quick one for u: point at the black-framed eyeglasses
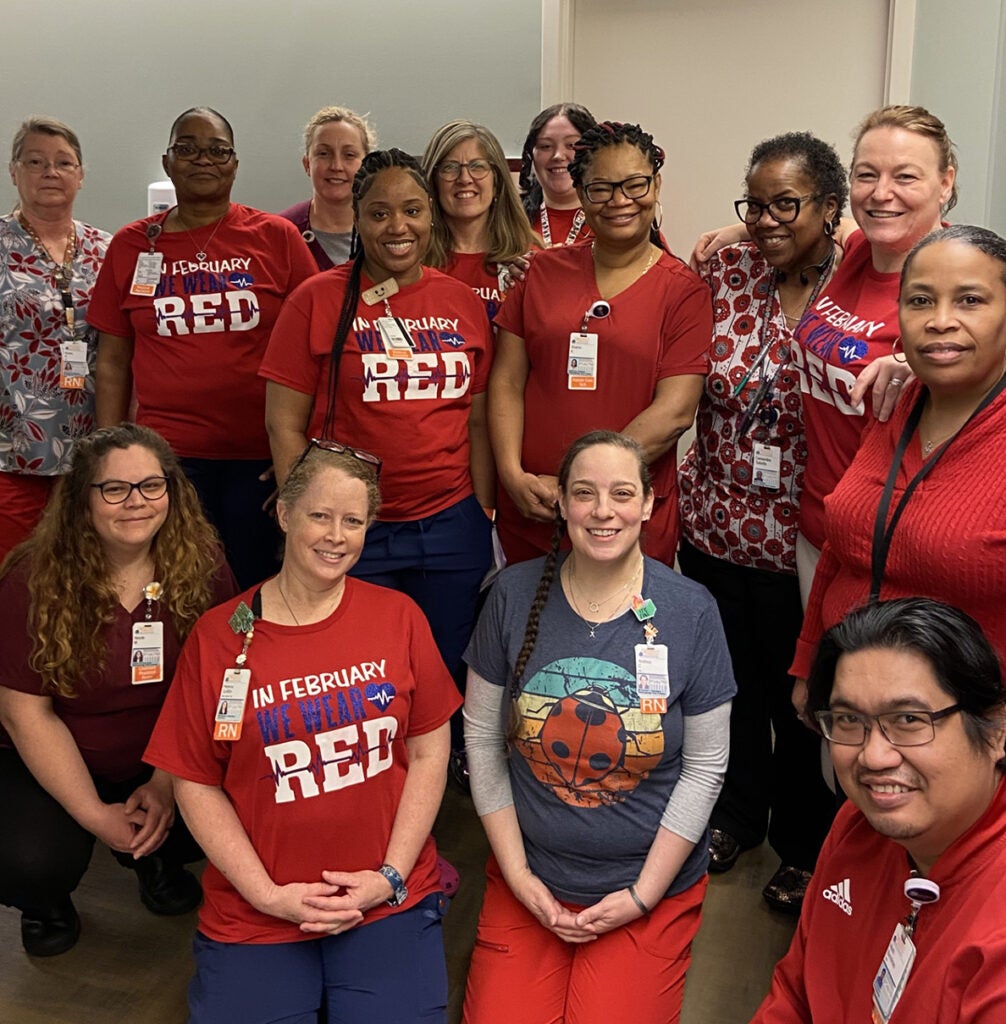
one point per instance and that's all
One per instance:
(115, 492)
(783, 210)
(632, 188)
(900, 728)
(450, 170)
(190, 151)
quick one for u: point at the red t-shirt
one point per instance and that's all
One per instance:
(470, 268)
(658, 327)
(110, 719)
(199, 340)
(853, 322)
(413, 413)
(318, 772)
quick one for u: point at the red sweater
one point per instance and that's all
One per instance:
(959, 975)
(950, 543)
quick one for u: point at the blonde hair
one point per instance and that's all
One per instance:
(44, 126)
(72, 597)
(920, 121)
(327, 115)
(510, 235)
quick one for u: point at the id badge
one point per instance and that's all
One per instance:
(72, 364)
(652, 680)
(231, 704)
(147, 274)
(397, 342)
(889, 984)
(581, 364)
(380, 292)
(146, 659)
(767, 468)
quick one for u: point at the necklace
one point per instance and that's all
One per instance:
(279, 587)
(649, 263)
(546, 231)
(62, 273)
(595, 606)
(201, 253)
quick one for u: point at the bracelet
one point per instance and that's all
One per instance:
(639, 903)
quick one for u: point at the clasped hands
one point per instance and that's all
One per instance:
(335, 904)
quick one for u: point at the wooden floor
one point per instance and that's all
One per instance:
(133, 968)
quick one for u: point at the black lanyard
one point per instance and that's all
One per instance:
(882, 534)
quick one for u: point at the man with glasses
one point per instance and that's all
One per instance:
(904, 916)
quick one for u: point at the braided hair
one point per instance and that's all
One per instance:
(372, 165)
(548, 573)
(615, 133)
(531, 195)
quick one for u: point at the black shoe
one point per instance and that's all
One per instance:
(786, 889)
(723, 850)
(166, 889)
(52, 931)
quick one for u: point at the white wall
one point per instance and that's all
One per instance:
(120, 71)
(957, 73)
(710, 78)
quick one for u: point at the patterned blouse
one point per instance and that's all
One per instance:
(724, 513)
(39, 420)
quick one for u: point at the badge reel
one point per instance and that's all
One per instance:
(147, 273)
(581, 363)
(892, 976)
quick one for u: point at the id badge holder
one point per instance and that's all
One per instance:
(581, 363)
(889, 984)
(146, 658)
(231, 704)
(72, 365)
(397, 342)
(380, 292)
(147, 273)
(767, 467)
(652, 679)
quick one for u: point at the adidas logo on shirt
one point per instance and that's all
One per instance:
(841, 895)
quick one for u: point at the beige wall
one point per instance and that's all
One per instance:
(710, 78)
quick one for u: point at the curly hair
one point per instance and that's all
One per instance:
(548, 574)
(373, 163)
(819, 162)
(920, 121)
(615, 133)
(72, 596)
(531, 195)
(509, 233)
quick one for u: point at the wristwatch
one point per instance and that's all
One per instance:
(399, 891)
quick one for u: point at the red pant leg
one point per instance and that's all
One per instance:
(22, 500)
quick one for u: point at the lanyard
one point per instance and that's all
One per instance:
(546, 231)
(883, 534)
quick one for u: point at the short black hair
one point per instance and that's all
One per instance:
(964, 663)
(819, 161)
(978, 238)
(204, 111)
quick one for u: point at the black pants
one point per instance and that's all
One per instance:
(777, 789)
(44, 852)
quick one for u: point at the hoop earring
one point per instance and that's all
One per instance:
(659, 218)
(829, 228)
(895, 350)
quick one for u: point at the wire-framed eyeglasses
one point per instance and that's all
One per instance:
(900, 728)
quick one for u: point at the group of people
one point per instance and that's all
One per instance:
(420, 354)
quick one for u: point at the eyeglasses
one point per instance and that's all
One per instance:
(900, 728)
(190, 151)
(450, 170)
(783, 210)
(632, 188)
(360, 454)
(115, 492)
(36, 165)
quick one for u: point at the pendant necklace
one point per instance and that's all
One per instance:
(201, 253)
(595, 606)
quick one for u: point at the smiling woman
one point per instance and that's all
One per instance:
(886, 534)
(185, 306)
(394, 356)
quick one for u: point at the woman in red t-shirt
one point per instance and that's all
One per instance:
(478, 226)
